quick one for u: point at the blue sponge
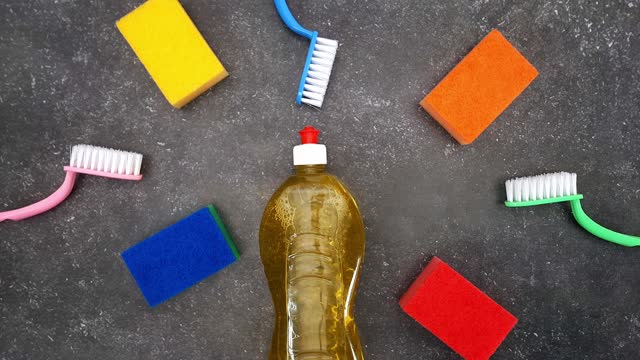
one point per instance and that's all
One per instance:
(181, 255)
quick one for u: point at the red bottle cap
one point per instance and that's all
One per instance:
(309, 135)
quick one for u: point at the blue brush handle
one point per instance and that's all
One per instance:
(292, 23)
(305, 70)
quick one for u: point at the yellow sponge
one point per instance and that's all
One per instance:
(172, 50)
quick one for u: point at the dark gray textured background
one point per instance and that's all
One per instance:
(68, 77)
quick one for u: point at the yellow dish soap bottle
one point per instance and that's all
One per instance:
(312, 247)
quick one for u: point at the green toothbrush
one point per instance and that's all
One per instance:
(559, 187)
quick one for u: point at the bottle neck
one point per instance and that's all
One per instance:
(309, 169)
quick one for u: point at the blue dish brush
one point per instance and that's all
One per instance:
(317, 68)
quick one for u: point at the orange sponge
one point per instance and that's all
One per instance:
(479, 88)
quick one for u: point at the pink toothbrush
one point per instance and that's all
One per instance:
(85, 159)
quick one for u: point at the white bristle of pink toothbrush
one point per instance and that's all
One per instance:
(315, 86)
(95, 160)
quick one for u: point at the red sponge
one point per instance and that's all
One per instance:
(457, 312)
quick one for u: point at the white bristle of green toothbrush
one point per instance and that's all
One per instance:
(315, 86)
(104, 159)
(542, 187)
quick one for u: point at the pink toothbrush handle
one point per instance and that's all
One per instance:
(43, 205)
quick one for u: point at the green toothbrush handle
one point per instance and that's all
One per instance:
(600, 231)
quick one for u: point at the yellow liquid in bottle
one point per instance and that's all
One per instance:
(312, 247)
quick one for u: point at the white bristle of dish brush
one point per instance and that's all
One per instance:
(322, 58)
(315, 89)
(541, 187)
(318, 75)
(317, 82)
(319, 59)
(327, 42)
(323, 69)
(106, 160)
(326, 48)
(312, 95)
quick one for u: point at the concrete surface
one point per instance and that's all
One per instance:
(68, 77)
